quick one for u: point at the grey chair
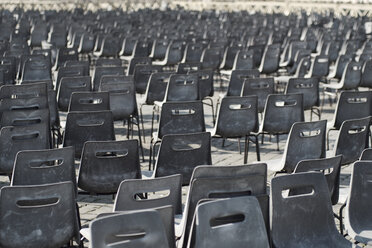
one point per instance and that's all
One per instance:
(44, 166)
(48, 213)
(306, 140)
(366, 154)
(223, 182)
(330, 167)
(87, 126)
(101, 71)
(237, 79)
(281, 111)
(238, 117)
(235, 216)
(352, 139)
(182, 87)
(68, 85)
(142, 75)
(358, 205)
(261, 87)
(89, 101)
(129, 230)
(104, 164)
(305, 219)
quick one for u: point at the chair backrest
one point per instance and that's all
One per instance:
(305, 218)
(341, 64)
(244, 60)
(181, 117)
(137, 61)
(48, 213)
(105, 164)
(157, 87)
(108, 62)
(89, 101)
(64, 54)
(182, 87)
(237, 116)
(352, 105)
(84, 64)
(237, 80)
(320, 66)
(309, 87)
(174, 53)
(193, 52)
(281, 111)
(211, 58)
(366, 80)
(261, 87)
(352, 75)
(122, 95)
(159, 49)
(358, 204)
(167, 191)
(24, 91)
(235, 216)
(270, 60)
(44, 166)
(74, 71)
(205, 82)
(142, 74)
(366, 154)
(17, 138)
(88, 126)
(352, 139)
(68, 85)
(330, 167)
(101, 71)
(222, 182)
(306, 140)
(137, 229)
(87, 42)
(36, 69)
(186, 67)
(181, 153)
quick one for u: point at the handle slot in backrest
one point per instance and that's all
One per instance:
(356, 129)
(26, 122)
(367, 178)
(260, 85)
(229, 194)
(184, 82)
(22, 107)
(91, 100)
(240, 106)
(203, 76)
(302, 190)
(55, 162)
(304, 85)
(285, 103)
(310, 133)
(151, 195)
(121, 238)
(20, 137)
(225, 220)
(356, 100)
(181, 146)
(90, 122)
(243, 77)
(37, 203)
(183, 111)
(77, 85)
(111, 153)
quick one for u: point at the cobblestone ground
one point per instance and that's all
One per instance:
(90, 205)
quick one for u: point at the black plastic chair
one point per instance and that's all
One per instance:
(36, 69)
(366, 154)
(270, 59)
(358, 206)
(238, 117)
(366, 78)
(261, 87)
(87, 126)
(166, 190)
(136, 229)
(182, 87)
(237, 79)
(137, 61)
(281, 111)
(213, 219)
(89, 101)
(48, 213)
(215, 182)
(304, 219)
(187, 67)
(181, 153)
(104, 164)
(74, 71)
(65, 54)
(330, 167)
(101, 71)
(108, 62)
(18, 138)
(67, 86)
(142, 75)
(352, 139)
(44, 166)
(83, 63)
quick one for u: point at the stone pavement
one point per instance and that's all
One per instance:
(90, 206)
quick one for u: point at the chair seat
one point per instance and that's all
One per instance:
(85, 232)
(147, 174)
(225, 72)
(274, 165)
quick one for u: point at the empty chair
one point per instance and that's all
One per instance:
(135, 229)
(351, 139)
(142, 75)
(366, 154)
(281, 111)
(237, 79)
(101, 71)
(137, 61)
(212, 182)
(330, 167)
(87, 126)
(181, 153)
(107, 62)
(244, 60)
(17, 138)
(89, 101)
(84, 64)
(68, 85)
(306, 140)
(65, 54)
(270, 59)
(366, 78)
(184, 68)
(357, 218)
(182, 87)
(235, 216)
(173, 55)
(48, 213)
(319, 68)
(44, 166)
(74, 71)
(261, 87)
(238, 117)
(168, 191)
(105, 164)
(36, 69)
(304, 219)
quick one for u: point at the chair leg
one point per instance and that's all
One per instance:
(340, 218)
(139, 137)
(277, 142)
(246, 149)
(143, 126)
(239, 148)
(257, 149)
(223, 142)
(150, 156)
